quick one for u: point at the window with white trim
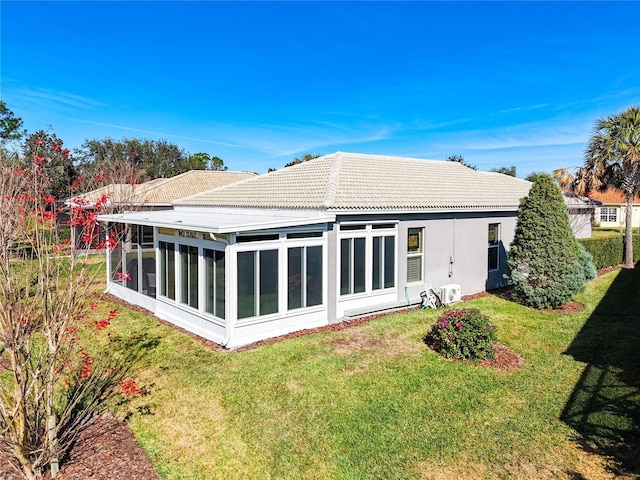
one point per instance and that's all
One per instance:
(367, 257)
(352, 265)
(257, 273)
(304, 276)
(189, 275)
(608, 214)
(214, 278)
(494, 247)
(414, 254)
(384, 267)
(167, 270)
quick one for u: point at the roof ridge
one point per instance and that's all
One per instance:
(332, 180)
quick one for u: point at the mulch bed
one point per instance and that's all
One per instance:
(506, 360)
(107, 450)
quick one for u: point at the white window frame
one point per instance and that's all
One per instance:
(418, 254)
(608, 215)
(494, 246)
(368, 232)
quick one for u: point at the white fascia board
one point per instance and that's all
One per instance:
(221, 221)
(401, 211)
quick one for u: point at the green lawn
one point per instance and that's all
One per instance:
(372, 401)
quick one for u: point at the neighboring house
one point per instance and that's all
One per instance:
(313, 244)
(581, 213)
(156, 194)
(612, 212)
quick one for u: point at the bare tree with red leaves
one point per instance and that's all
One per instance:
(53, 383)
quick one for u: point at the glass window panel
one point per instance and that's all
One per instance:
(171, 271)
(147, 235)
(149, 272)
(131, 278)
(377, 264)
(268, 282)
(220, 284)
(493, 258)
(389, 262)
(345, 266)
(189, 274)
(494, 233)
(209, 281)
(294, 278)
(134, 234)
(246, 284)
(493, 261)
(414, 240)
(115, 256)
(193, 277)
(184, 273)
(314, 276)
(359, 262)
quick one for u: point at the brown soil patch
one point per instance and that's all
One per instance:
(505, 360)
(570, 307)
(107, 450)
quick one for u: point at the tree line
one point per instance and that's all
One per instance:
(129, 160)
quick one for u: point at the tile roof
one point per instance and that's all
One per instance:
(186, 184)
(611, 196)
(575, 201)
(352, 181)
(162, 191)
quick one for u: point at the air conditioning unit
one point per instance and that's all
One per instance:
(450, 293)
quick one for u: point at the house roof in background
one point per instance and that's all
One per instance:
(575, 201)
(356, 182)
(162, 191)
(186, 184)
(611, 196)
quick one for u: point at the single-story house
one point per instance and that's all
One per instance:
(155, 194)
(316, 243)
(612, 211)
(581, 211)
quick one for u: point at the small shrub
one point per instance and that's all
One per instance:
(463, 334)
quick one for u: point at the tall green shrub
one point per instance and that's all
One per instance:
(546, 265)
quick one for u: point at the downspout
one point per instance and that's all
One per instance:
(452, 258)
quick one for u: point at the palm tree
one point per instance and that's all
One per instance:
(612, 160)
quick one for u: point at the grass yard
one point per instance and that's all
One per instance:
(372, 401)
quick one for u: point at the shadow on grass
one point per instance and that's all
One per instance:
(604, 407)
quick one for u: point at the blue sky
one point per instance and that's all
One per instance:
(259, 83)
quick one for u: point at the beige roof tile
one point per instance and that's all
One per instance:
(165, 190)
(351, 181)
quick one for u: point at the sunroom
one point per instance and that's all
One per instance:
(232, 276)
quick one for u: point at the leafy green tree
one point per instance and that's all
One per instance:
(460, 159)
(533, 176)
(10, 125)
(304, 158)
(204, 161)
(61, 171)
(546, 265)
(511, 171)
(151, 158)
(216, 164)
(612, 160)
